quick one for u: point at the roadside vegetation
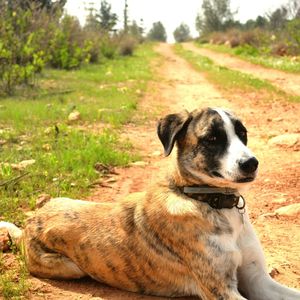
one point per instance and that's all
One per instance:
(232, 82)
(64, 151)
(284, 63)
(272, 40)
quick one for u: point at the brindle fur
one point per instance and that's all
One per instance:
(160, 242)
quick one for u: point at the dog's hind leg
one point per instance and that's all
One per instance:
(45, 263)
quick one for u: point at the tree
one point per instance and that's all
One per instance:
(293, 7)
(214, 17)
(107, 19)
(157, 32)
(126, 17)
(49, 5)
(278, 18)
(135, 30)
(182, 33)
(261, 22)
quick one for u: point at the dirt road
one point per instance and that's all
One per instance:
(288, 82)
(180, 86)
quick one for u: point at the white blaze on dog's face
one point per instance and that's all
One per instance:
(212, 147)
(238, 163)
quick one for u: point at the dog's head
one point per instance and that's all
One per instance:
(212, 147)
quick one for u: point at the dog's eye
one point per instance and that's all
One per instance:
(212, 138)
(242, 134)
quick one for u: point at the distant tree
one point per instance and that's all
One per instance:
(250, 24)
(157, 32)
(135, 30)
(91, 22)
(43, 4)
(278, 18)
(214, 17)
(293, 7)
(261, 22)
(182, 33)
(126, 17)
(107, 19)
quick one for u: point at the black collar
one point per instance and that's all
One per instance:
(217, 198)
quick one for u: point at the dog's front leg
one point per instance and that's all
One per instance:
(254, 280)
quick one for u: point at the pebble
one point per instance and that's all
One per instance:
(74, 116)
(139, 164)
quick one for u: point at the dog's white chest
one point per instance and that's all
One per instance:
(225, 245)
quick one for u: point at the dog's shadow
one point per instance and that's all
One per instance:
(91, 288)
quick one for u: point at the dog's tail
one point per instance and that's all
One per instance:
(14, 232)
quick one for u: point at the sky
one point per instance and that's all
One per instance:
(172, 12)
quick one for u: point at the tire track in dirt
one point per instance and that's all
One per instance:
(179, 87)
(288, 82)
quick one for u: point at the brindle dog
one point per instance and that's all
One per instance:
(172, 240)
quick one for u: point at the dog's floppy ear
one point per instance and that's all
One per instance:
(169, 128)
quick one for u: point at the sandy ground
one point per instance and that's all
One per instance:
(283, 80)
(180, 86)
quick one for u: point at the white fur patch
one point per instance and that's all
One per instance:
(236, 150)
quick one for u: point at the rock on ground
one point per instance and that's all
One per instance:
(289, 210)
(286, 140)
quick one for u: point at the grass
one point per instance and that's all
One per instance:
(13, 284)
(283, 63)
(231, 81)
(35, 126)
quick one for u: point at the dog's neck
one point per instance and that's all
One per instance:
(216, 197)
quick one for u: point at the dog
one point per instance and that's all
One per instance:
(188, 235)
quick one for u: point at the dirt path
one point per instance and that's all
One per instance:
(283, 80)
(180, 86)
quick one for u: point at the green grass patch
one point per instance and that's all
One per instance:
(34, 126)
(230, 81)
(259, 57)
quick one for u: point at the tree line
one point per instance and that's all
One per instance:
(35, 34)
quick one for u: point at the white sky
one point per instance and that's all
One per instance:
(172, 12)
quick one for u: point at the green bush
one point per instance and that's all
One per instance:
(293, 31)
(246, 50)
(68, 49)
(109, 47)
(21, 49)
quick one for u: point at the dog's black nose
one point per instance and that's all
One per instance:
(249, 166)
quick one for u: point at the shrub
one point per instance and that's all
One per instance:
(279, 48)
(217, 38)
(92, 46)
(127, 45)
(109, 47)
(67, 48)
(293, 29)
(246, 50)
(22, 53)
